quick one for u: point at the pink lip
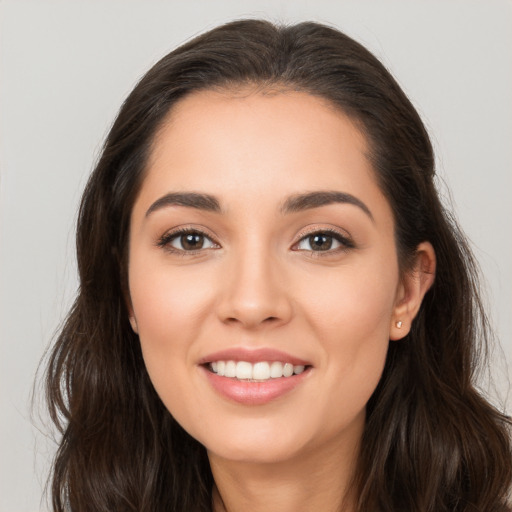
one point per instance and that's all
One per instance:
(253, 356)
(253, 393)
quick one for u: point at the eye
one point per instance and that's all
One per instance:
(324, 241)
(188, 240)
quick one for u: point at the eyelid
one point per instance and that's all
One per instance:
(164, 240)
(343, 238)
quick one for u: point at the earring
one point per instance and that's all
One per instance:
(399, 324)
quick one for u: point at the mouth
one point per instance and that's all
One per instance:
(260, 371)
(254, 377)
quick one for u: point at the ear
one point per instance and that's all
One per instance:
(129, 307)
(411, 290)
(128, 302)
(133, 321)
(131, 316)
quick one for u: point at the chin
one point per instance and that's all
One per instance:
(252, 445)
(248, 453)
(284, 446)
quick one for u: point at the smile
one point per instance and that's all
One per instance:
(254, 376)
(260, 371)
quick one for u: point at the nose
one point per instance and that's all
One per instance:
(254, 292)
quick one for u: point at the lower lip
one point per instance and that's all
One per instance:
(254, 393)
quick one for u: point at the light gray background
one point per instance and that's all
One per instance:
(65, 68)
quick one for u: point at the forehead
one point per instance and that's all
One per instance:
(293, 116)
(269, 144)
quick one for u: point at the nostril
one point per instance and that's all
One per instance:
(268, 320)
(252, 311)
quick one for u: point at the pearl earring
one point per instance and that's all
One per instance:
(399, 324)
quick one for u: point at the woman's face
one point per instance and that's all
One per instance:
(260, 244)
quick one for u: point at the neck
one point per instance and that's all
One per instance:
(314, 481)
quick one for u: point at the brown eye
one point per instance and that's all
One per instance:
(191, 241)
(186, 241)
(320, 242)
(324, 241)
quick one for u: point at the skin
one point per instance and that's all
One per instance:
(257, 282)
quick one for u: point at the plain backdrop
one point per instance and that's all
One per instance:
(65, 68)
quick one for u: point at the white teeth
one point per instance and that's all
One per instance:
(230, 370)
(259, 371)
(243, 370)
(276, 370)
(288, 370)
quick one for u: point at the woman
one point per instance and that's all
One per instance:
(275, 311)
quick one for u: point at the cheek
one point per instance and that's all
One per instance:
(350, 315)
(165, 301)
(169, 308)
(354, 303)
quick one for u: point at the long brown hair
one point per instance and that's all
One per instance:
(432, 443)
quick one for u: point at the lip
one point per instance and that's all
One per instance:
(253, 356)
(253, 393)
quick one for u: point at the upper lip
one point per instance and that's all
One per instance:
(253, 356)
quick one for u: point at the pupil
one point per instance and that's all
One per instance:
(192, 241)
(320, 242)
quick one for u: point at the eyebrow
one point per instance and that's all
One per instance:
(293, 204)
(190, 199)
(309, 200)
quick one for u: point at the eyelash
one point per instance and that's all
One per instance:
(345, 243)
(165, 241)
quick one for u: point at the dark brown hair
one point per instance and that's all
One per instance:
(432, 443)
